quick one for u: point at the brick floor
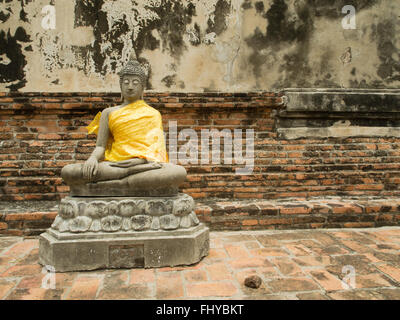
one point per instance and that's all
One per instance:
(293, 264)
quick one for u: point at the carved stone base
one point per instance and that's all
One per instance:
(111, 214)
(124, 232)
(89, 251)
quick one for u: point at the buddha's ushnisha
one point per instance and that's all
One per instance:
(130, 148)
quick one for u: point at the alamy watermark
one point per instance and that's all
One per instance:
(238, 147)
(349, 280)
(49, 20)
(349, 21)
(49, 280)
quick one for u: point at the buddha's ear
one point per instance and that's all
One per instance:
(145, 64)
(133, 55)
(120, 89)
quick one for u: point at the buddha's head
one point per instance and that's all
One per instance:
(133, 78)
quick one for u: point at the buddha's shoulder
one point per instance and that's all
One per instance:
(108, 110)
(152, 110)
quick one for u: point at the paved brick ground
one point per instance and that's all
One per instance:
(305, 264)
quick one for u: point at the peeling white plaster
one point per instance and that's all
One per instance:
(53, 65)
(4, 59)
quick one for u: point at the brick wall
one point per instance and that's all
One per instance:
(42, 132)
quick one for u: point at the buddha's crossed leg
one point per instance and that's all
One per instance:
(73, 173)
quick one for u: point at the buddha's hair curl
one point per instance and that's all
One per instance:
(135, 68)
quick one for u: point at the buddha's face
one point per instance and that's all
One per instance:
(131, 87)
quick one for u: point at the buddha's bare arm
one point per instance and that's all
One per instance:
(90, 167)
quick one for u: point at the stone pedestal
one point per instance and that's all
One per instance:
(131, 232)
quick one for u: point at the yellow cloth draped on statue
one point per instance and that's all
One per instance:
(136, 132)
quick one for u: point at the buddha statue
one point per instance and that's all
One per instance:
(130, 157)
(124, 209)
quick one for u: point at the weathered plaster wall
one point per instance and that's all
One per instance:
(200, 45)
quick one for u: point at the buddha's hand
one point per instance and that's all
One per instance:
(128, 163)
(147, 166)
(90, 168)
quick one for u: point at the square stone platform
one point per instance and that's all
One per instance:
(145, 249)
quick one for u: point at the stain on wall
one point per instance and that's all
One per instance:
(199, 45)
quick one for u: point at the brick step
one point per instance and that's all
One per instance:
(30, 218)
(296, 213)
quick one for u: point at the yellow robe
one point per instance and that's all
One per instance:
(136, 132)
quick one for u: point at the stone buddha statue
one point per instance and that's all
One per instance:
(130, 157)
(124, 209)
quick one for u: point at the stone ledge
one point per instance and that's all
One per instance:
(339, 113)
(342, 100)
(218, 214)
(338, 131)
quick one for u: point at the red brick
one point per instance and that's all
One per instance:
(6, 100)
(93, 99)
(34, 294)
(287, 267)
(374, 280)
(84, 288)
(250, 222)
(326, 280)
(229, 122)
(277, 221)
(5, 287)
(312, 296)
(22, 270)
(298, 249)
(311, 261)
(380, 208)
(62, 188)
(292, 284)
(49, 136)
(236, 251)
(31, 281)
(195, 275)
(346, 209)
(169, 286)
(216, 254)
(169, 100)
(208, 289)
(218, 271)
(21, 248)
(198, 194)
(356, 246)
(358, 224)
(65, 279)
(269, 252)
(21, 136)
(12, 232)
(249, 263)
(52, 106)
(174, 105)
(295, 210)
(74, 105)
(391, 271)
(24, 216)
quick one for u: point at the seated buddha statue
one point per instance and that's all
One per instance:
(130, 157)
